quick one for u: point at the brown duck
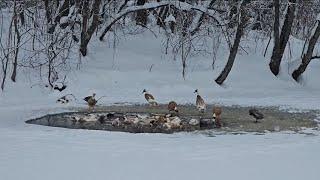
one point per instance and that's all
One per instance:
(173, 107)
(217, 116)
(91, 101)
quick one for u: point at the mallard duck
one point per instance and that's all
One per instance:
(91, 101)
(217, 116)
(172, 107)
(256, 114)
(201, 105)
(149, 98)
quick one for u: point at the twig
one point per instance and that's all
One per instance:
(150, 69)
(265, 51)
(315, 57)
(101, 98)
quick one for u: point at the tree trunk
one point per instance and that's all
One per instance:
(86, 35)
(276, 26)
(281, 43)
(234, 49)
(16, 51)
(307, 57)
(63, 11)
(48, 11)
(142, 15)
(84, 27)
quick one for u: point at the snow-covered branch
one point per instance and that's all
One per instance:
(183, 6)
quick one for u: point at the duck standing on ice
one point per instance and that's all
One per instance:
(201, 105)
(149, 98)
(173, 107)
(217, 116)
(256, 114)
(91, 101)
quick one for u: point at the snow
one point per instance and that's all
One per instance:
(170, 18)
(36, 153)
(64, 19)
(249, 83)
(31, 152)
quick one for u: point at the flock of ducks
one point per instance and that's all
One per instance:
(173, 107)
(200, 104)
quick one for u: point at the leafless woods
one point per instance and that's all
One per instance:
(42, 34)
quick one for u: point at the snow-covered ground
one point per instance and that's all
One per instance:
(32, 152)
(37, 153)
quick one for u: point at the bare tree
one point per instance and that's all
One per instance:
(281, 42)
(234, 49)
(11, 49)
(45, 32)
(308, 56)
(18, 38)
(86, 34)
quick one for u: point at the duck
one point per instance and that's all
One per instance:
(172, 107)
(256, 114)
(149, 98)
(91, 101)
(217, 116)
(201, 105)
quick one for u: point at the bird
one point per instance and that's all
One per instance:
(201, 105)
(217, 116)
(149, 98)
(172, 107)
(91, 101)
(256, 114)
(216, 111)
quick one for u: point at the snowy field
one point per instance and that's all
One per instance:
(30, 152)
